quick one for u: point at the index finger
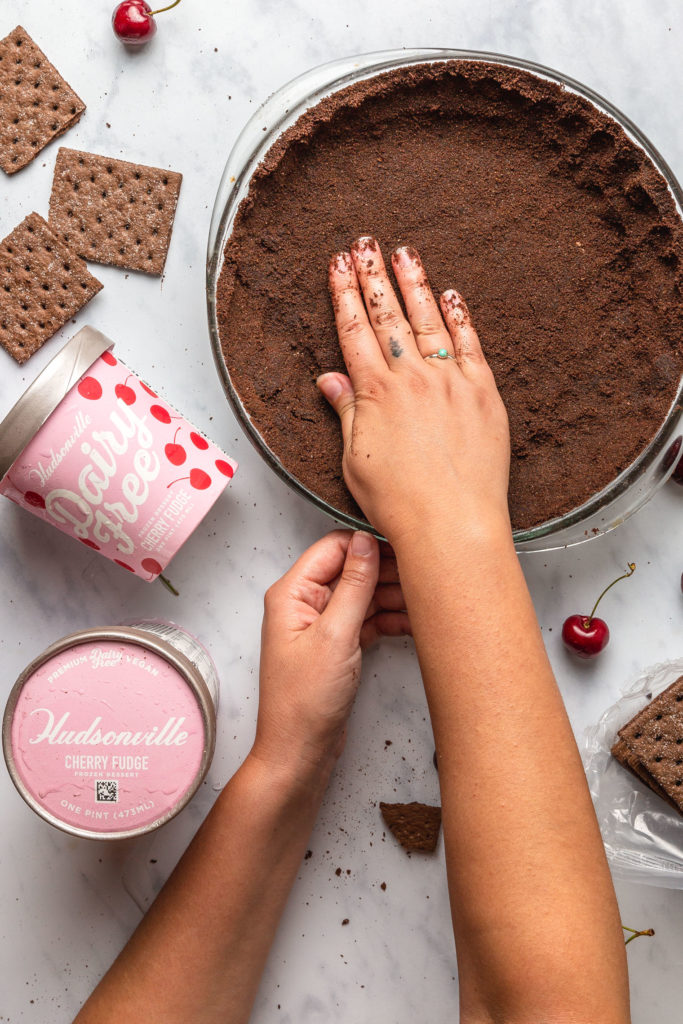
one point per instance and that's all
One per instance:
(357, 340)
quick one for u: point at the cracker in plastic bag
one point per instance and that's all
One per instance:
(643, 835)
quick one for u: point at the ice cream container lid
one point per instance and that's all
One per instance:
(104, 672)
(43, 396)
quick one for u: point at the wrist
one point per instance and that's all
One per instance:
(453, 527)
(294, 769)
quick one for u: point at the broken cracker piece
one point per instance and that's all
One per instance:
(416, 826)
(36, 104)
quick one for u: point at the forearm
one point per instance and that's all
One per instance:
(535, 918)
(198, 954)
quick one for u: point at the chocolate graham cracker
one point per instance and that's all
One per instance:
(112, 211)
(628, 760)
(416, 826)
(36, 104)
(42, 285)
(651, 744)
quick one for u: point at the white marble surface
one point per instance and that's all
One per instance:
(68, 905)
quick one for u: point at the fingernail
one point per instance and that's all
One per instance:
(405, 256)
(362, 544)
(330, 386)
(456, 306)
(341, 262)
(364, 245)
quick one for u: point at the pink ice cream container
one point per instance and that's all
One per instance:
(90, 448)
(109, 732)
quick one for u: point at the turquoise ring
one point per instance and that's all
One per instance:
(441, 354)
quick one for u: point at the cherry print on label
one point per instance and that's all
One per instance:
(91, 544)
(108, 358)
(148, 390)
(125, 393)
(161, 414)
(198, 441)
(35, 500)
(151, 566)
(175, 453)
(224, 467)
(198, 479)
(90, 388)
(123, 565)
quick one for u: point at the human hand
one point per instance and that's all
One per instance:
(339, 597)
(425, 440)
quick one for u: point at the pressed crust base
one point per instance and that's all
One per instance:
(557, 229)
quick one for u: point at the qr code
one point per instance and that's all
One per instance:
(107, 791)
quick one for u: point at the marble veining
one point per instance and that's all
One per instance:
(67, 904)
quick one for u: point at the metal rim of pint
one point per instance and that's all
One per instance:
(44, 395)
(182, 664)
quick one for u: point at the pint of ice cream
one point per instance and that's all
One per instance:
(92, 449)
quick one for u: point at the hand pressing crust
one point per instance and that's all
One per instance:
(425, 431)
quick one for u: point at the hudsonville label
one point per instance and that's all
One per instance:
(55, 732)
(43, 471)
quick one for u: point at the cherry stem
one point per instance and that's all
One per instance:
(634, 934)
(630, 572)
(176, 434)
(169, 586)
(150, 14)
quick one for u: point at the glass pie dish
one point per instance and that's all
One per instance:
(604, 510)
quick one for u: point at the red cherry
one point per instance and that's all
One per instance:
(125, 393)
(123, 565)
(151, 566)
(109, 359)
(89, 543)
(175, 453)
(585, 635)
(224, 467)
(198, 441)
(161, 414)
(148, 390)
(36, 500)
(133, 22)
(90, 388)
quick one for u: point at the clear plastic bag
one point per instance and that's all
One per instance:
(643, 836)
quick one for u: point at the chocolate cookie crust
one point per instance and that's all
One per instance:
(554, 225)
